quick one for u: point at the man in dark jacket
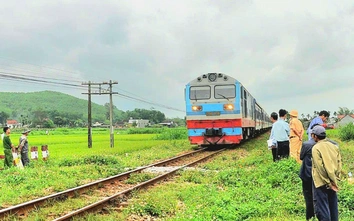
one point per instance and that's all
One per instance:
(306, 176)
(306, 172)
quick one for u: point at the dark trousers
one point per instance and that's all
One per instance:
(326, 204)
(24, 158)
(283, 149)
(275, 154)
(308, 196)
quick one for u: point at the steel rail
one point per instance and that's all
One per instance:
(23, 208)
(102, 203)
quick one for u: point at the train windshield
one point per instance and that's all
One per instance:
(199, 93)
(225, 91)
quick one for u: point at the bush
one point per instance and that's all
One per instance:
(172, 134)
(144, 131)
(347, 132)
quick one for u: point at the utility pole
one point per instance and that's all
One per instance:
(111, 115)
(89, 117)
(100, 92)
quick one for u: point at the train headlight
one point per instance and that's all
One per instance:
(197, 108)
(212, 77)
(229, 107)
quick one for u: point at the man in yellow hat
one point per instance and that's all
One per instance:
(296, 133)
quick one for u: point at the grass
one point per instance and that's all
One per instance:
(71, 163)
(240, 184)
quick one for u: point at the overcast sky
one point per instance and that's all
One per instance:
(288, 54)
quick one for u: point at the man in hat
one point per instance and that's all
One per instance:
(23, 148)
(296, 133)
(326, 168)
(8, 148)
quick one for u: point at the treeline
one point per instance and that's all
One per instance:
(54, 109)
(334, 115)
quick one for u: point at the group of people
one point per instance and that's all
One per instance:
(321, 161)
(9, 148)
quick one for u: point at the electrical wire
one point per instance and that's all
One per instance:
(152, 103)
(58, 82)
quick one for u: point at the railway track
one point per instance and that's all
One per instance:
(112, 190)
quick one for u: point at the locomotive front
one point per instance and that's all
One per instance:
(213, 113)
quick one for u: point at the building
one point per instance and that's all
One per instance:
(345, 119)
(167, 124)
(139, 123)
(13, 124)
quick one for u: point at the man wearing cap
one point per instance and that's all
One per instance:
(23, 148)
(296, 133)
(320, 119)
(326, 168)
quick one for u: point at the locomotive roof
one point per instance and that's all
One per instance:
(213, 77)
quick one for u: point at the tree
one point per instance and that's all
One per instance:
(345, 111)
(134, 124)
(151, 115)
(107, 107)
(3, 117)
(39, 116)
(48, 124)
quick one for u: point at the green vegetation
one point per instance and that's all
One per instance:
(51, 109)
(242, 184)
(72, 163)
(347, 132)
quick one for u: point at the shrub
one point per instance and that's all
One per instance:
(144, 131)
(347, 132)
(172, 134)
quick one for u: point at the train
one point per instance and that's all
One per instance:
(220, 110)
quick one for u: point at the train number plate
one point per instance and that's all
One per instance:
(213, 113)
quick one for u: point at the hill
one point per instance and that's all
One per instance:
(19, 105)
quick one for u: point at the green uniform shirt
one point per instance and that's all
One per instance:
(326, 163)
(7, 142)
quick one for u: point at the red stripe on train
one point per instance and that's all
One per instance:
(200, 124)
(200, 140)
(244, 122)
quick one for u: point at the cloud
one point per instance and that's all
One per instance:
(283, 52)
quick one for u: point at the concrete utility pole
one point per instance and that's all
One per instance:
(100, 92)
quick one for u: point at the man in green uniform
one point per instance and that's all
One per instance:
(8, 148)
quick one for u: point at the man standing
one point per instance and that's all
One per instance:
(296, 133)
(322, 117)
(8, 148)
(280, 133)
(23, 148)
(306, 176)
(274, 146)
(326, 168)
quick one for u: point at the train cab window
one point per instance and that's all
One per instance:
(199, 93)
(225, 91)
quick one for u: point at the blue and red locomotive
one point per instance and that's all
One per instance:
(219, 110)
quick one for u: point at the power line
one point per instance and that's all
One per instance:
(11, 68)
(59, 82)
(42, 66)
(9, 76)
(152, 103)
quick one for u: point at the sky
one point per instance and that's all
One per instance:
(287, 54)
